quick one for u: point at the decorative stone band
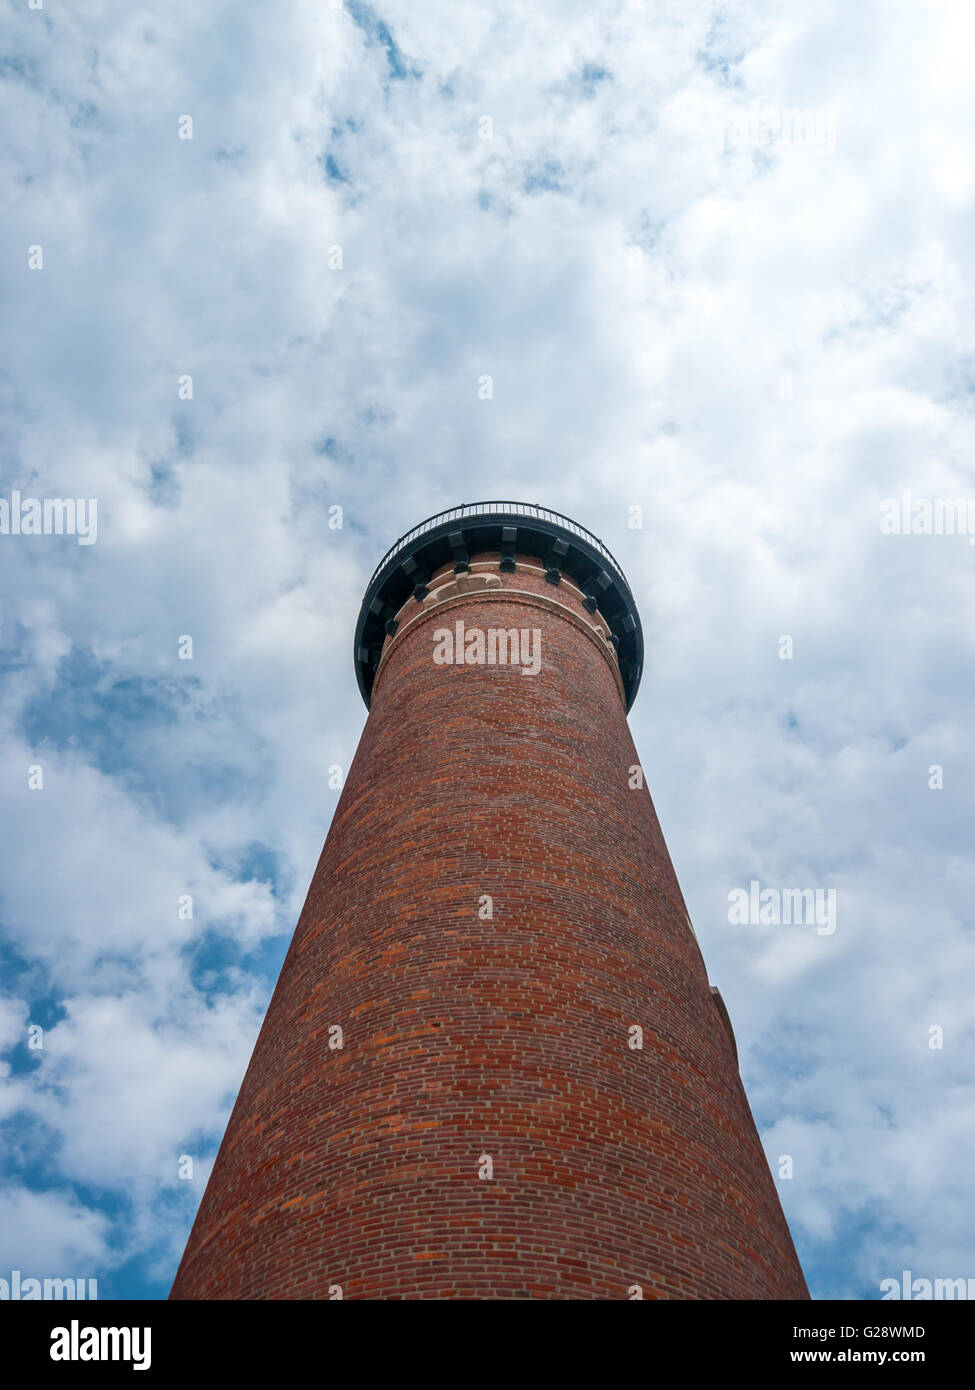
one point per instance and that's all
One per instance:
(454, 589)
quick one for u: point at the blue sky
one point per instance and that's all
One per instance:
(717, 261)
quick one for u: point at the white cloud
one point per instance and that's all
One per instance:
(47, 1235)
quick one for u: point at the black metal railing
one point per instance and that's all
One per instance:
(525, 509)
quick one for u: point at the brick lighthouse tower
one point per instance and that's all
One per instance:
(493, 1065)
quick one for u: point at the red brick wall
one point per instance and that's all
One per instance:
(508, 1037)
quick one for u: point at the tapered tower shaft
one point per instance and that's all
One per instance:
(493, 1065)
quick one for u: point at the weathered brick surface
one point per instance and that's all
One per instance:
(466, 1037)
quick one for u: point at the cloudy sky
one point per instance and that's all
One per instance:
(717, 260)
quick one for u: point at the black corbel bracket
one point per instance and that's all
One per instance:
(458, 547)
(387, 613)
(595, 586)
(368, 656)
(554, 561)
(509, 535)
(417, 576)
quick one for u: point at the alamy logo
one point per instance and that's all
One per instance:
(755, 906)
(496, 646)
(50, 516)
(18, 1289)
(763, 126)
(918, 1290)
(76, 1343)
(908, 515)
